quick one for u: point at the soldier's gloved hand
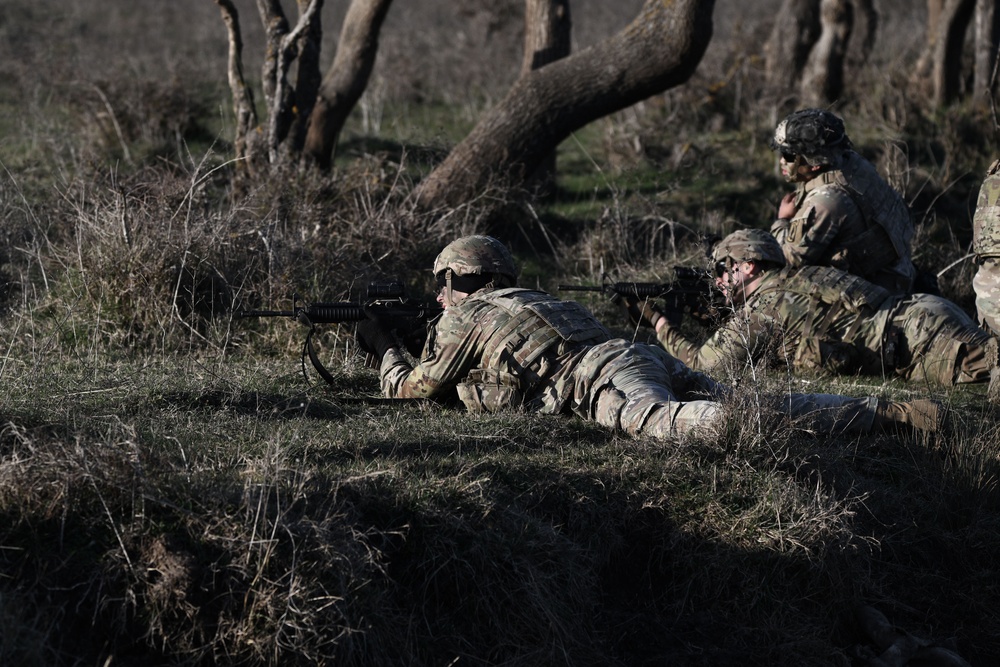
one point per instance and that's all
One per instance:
(414, 337)
(641, 311)
(374, 337)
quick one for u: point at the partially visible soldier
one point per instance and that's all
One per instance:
(501, 346)
(842, 213)
(822, 318)
(986, 245)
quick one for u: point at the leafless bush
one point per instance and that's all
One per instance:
(135, 120)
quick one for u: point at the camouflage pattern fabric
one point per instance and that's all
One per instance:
(522, 349)
(986, 284)
(851, 219)
(919, 337)
(986, 245)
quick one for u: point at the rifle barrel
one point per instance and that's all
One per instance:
(265, 313)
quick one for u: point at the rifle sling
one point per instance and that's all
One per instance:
(308, 349)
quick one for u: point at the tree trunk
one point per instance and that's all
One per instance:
(938, 72)
(796, 28)
(865, 30)
(346, 79)
(243, 105)
(660, 49)
(987, 42)
(547, 31)
(306, 52)
(823, 75)
(289, 106)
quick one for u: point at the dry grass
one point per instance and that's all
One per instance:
(173, 492)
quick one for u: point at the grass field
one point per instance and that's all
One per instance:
(173, 490)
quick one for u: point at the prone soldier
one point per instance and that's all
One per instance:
(842, 213)
(822, 318)
(502, 346)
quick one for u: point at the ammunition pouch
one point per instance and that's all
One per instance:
(835, 357)
(488, 390)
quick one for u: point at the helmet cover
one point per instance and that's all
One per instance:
(483, 255)
(749, 245)
(815, 134)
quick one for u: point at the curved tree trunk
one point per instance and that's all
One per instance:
(823, 75)
(547, 32)
(346, 79)
(660, 49)
(796, 28)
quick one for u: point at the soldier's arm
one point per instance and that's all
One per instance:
(699, 357)
(809, 235)
(786, 211)
(451, 350)
(740, 339)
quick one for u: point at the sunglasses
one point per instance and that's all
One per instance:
(788, 157)
(721, 268)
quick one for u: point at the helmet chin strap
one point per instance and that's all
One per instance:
(794, 176)
(447, 287)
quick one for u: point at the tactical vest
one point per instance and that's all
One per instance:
(884, 211)
(986, 221)
(538, 323)
(832, 292)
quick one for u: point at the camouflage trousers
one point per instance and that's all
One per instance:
(634, 392)
(934, 340)
(986, 284)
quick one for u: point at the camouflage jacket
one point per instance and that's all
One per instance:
(986, 221)
(515, 347)
(816, 317)
(851, 219)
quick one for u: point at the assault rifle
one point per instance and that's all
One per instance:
(692, 293)
(384, 301)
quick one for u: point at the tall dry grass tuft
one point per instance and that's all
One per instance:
(153, 259)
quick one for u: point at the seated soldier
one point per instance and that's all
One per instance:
(821, 318)
(986, 245)
(502, 346)
(842, 213)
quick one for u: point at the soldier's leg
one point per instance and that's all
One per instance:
(833, 413)
(941, 343)
(986, 284)
(650, 413)
(976, 362)
(636, 395)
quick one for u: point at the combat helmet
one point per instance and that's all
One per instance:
(749, 245)
(477, 255)
(816, 134)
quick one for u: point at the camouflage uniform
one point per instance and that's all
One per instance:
(986, 245)
(846, 215)
(519, 348)
(821, 318)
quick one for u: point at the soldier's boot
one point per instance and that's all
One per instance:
(920, 415)
(993, 391)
